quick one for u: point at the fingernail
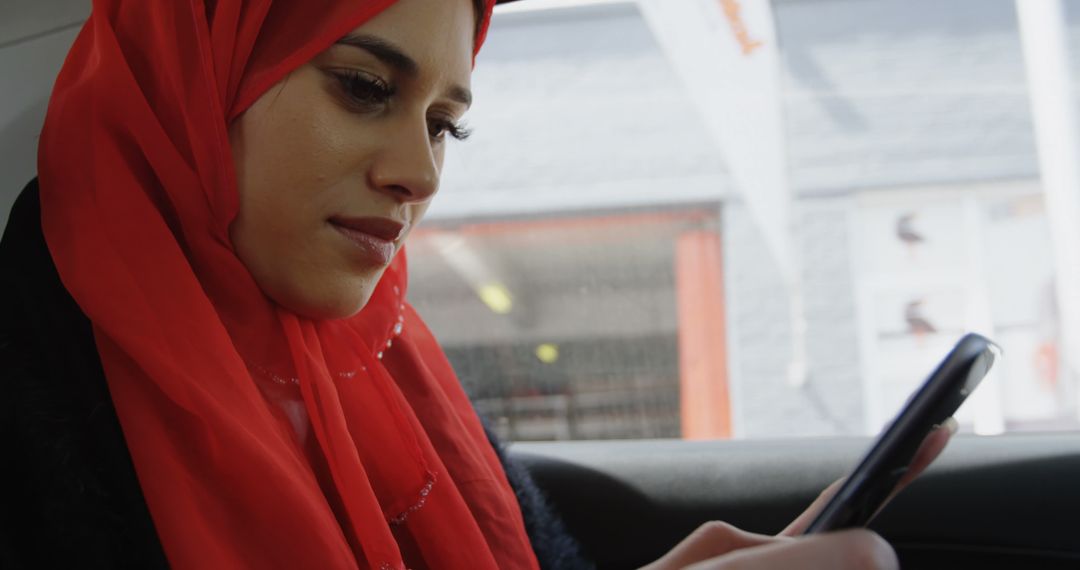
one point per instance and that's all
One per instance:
(951, 425)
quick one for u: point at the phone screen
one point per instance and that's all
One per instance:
(868, 486)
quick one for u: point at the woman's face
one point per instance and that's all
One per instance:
(338, 161)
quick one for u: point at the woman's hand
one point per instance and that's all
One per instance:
(931, 447)
(719, 546)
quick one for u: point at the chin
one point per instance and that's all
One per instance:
(335, 309)
(326, 306)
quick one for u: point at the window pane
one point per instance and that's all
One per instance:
(563, 327)
(599, 262)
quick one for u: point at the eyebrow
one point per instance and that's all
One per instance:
(393, 56)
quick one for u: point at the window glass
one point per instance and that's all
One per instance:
(744, 219)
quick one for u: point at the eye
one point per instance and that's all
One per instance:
(439, 128)
(364, 89)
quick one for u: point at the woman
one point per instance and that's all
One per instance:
(213, 362)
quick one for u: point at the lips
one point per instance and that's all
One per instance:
(382, 228)
(373, 238)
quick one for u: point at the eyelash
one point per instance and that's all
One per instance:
(459, 132)
(364, 89)
(368, 91)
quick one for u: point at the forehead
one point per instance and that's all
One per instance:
(436, 34)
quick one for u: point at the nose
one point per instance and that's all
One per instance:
(406, 167)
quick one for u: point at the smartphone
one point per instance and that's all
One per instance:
(873, 480)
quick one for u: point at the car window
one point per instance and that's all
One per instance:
(624, 249)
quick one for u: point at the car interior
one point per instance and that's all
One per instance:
(1002, 498)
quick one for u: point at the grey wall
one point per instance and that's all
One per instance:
(34, 38)
(877, 93)
(759, 336)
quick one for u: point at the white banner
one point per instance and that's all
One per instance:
(726, 53)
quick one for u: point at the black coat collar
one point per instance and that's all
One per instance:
(73, 500)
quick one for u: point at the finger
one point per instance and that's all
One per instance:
(848, 550)
(710, 540)
(802, 522)
(929, 450)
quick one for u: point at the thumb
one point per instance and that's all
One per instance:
(710, 540)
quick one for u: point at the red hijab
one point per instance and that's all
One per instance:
(137, 194)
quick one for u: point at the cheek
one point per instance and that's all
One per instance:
(277, 180)
(290, 156)
(291, 160)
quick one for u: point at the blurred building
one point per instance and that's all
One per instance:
(901, 117)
